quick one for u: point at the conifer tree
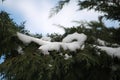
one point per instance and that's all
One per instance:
(31, 64)
(110, 8)
(26, 62)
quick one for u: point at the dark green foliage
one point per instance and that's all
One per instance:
(22, 29)
(87, 64)
(111, 8)
(56, 37)
(8, 40)
(117, 36)
(30, 66)
(58, 7)
(97, 30)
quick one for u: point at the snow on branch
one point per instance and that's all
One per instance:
(101, 42)
(28, 39)
(67, 56)
(75, 36)
(104, 43)
(71, 42)
(46, 38)
(66, 44)
(110, 51)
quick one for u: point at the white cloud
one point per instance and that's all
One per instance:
(36, 13)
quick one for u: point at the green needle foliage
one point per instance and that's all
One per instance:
(31, 64)
(110, 8)
(56, 9)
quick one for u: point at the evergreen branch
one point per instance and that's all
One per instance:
(57, 8)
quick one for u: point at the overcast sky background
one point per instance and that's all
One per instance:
(36, 12)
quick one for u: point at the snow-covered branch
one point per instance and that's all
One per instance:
(71, 42)
(110, 51)
(66, 44)
(28, 39)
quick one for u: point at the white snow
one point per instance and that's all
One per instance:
(20, 50)
(101, 42)
(61, 54)
(67, 56)
(73, 46)
(67, 43)
(46, 38)
(57, 45)
(47, 46)
(24, 38)
(50, 65)
(88, 27)
(110, 3)
(82, 47)
(28, 39)
(104, 43)
(115, 44)
(110, 51)
(75, 36)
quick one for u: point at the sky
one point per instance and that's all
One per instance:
(1, 59)
(36, 14)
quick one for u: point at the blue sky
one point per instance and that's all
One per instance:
(36, 12)
(1, 59)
